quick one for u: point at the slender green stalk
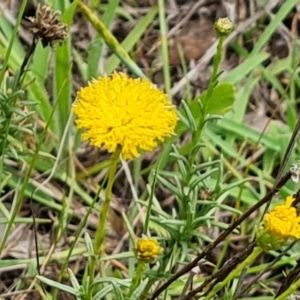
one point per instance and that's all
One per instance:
(129, 227)
(82, 224)
(164, 46)
(100, 233)
(223, 253)
(136, 280)
(211, 85)
(109, 39)
(216, 65)
(26, 60)
(149, 207)
(95, 50)
(223, 27)
(235, 273)
(291, 290)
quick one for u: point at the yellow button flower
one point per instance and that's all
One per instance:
(280, 226)
(147, 249)
(118, 111)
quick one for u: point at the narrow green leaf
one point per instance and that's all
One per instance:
(131, 39)
(74, 280)
(62, 86)
(62, 77)
(245, 132)
(284, 9)
(189, 116)
(96, 46)
(57, 285)
(110, 40)
(242, 98)
(245, 68)
(138, 292)
(89, 244)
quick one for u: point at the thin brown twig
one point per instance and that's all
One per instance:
(224, 271)
(289, 280)
(268, 268)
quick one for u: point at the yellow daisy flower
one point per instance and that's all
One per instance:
(147, 249)
(118, 111)
(280, 226)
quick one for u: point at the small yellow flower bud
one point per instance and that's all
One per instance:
(224, 26)
(147, 250)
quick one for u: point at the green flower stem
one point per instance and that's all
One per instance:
(235, 273)
(100, 233)
(26, 59)
(291, 290)
(136, 280)
(223, 28)
(211, 85)
(216, 65)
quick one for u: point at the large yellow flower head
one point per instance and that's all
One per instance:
(280, 226)
(118, 111)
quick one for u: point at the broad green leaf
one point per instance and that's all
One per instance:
(221, 100)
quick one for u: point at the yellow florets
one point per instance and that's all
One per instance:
(147, 249)
(280, 226)
(118, 111)
(283, 220)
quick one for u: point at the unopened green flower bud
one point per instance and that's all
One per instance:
(268, 241)
(224, 26)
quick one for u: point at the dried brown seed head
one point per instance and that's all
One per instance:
(46, 26)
